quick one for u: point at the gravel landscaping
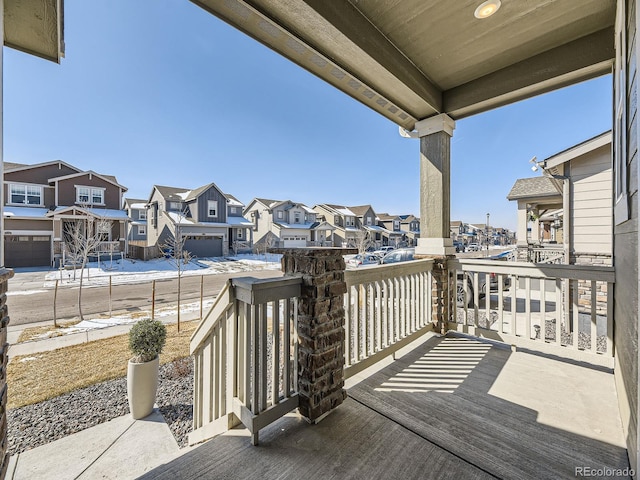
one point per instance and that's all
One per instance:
(47, 421)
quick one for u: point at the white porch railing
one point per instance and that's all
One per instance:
(245, 356)
(546, 254)
(386, 308)
(565, 310)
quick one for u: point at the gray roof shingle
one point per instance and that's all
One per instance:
(533, 187)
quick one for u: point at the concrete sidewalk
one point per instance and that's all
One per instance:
(122, 448)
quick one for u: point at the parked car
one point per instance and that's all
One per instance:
(382, 251)
(363, 259)
(474, 247)
(462, 288)
(459, 246)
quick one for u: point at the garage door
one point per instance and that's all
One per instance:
(27, 250)
(204, 246)
(295, 242)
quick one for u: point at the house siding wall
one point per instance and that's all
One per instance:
(626, 247)
(40, 175)
(153, 232)
(202, 207)
(67, 191)
(592, 223)
(16, 224)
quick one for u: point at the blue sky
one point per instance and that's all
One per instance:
(165, 93)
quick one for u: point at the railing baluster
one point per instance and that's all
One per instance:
(500, 303)
(514, 306)
(609, 333)
(594, 324)
(287, 348)
(378, 316)
(476, 299)
(487, 300)
(543, 309)
(347, 326)
(275, 328)
(527, 306)
(576, 313)
(558, 311)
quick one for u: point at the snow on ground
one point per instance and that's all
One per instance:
(134, 271)
(126, 319)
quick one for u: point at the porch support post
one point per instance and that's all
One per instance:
(435, 210)
(320, 327)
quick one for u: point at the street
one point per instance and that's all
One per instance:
(38, 306)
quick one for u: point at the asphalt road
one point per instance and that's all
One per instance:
(38, 307)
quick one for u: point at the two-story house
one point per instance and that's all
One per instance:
(42, 202)
(137, 212)
(285, 223)
(200, 216)
(392, 230)
(411, 224)
(344, 222)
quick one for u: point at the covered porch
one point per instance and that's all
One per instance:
(448, 407)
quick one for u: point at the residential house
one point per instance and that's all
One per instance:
(392, 233)
(284, 223)
(346, 231)
(200, 216)
(410, 226)
(43, 202)
(568, 210)
(240, 229)
(137, 212)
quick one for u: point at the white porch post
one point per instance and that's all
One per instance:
(523, 220)
(435, 176)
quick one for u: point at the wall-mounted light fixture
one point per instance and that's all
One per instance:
(487, 9)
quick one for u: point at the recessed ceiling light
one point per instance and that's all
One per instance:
(487, 9)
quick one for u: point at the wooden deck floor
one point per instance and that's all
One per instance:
(452, 408)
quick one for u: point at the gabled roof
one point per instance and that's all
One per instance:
(107, 178)
(106, 213)
(533, 187)
(134, 203)
(579, 149)
(385, 217)
(233, 201)
(455, 223)
(15, 167)
(360, 210)
(337, 209)
(172, 193)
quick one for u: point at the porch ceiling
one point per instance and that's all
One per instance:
(411, 59)
(35, 27)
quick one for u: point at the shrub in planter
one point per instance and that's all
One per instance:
(146, 340)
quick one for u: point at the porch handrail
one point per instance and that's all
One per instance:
(386, 308)
(244, 355)
(539, 306)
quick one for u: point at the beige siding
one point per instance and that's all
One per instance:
(592, 222)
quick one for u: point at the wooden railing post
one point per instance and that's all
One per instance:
(321, 335)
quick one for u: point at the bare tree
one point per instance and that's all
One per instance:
(173, 248)
(82, 237)
(363, 240)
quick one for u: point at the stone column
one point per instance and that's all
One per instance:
(435, 199)
(5, 275)
(321, 333)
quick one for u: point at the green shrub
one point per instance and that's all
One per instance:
(146, 340)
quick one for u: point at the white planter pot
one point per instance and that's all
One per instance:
(142, 385)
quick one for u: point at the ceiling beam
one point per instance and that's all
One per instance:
(585, 58)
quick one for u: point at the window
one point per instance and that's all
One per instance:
(296, 217)
(142, 230)
(280, 214)
(351, 221)
(396, 225)
(142, 214)
(239, 233)
(175, 206)
(94, 196)
(212, 208)
(26, 194)
(233, 210)
(368, 220)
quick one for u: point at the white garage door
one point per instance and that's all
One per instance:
(294, 241)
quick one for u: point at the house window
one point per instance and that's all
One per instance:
(296, 217)
(212, 208)
(26, 194)
(142, 214)
(88, 195)
(175, 206)
(239, 233)
(396, 225)
(280, 214)
(233, 210)
(368, 220)
(142, 230)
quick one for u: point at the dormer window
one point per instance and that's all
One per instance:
(26, 194)
(174, 206)
(296, 217)
(368, 221)
(280, 214)
(396, 225)
(142, 214)
(90, 195)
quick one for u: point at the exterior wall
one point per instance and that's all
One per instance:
(132, 234)
(262, 226)
(592, 200)
(154, 231)
(67, 191)
(201, 208)
(39, 175)
(625, 247)
(33, 225)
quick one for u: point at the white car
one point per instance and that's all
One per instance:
(382, 251)
(363, 259)
(473, 247)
